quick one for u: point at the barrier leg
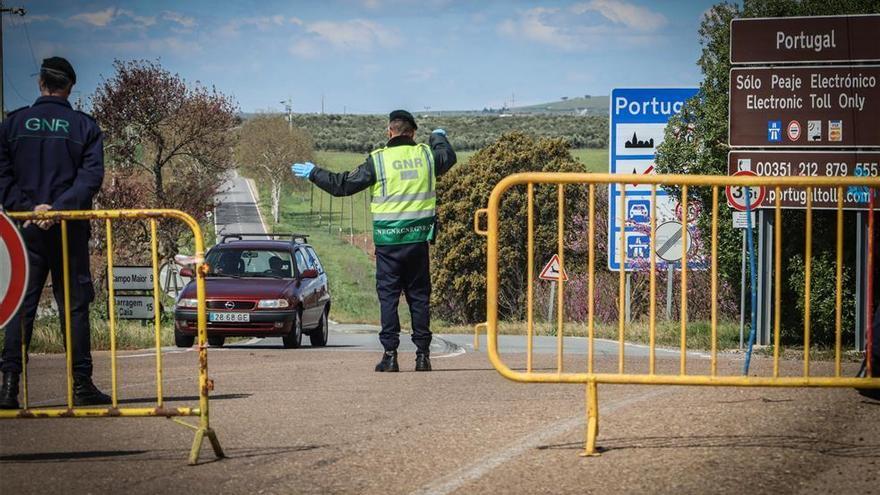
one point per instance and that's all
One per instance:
(201, 433)
(590, 449)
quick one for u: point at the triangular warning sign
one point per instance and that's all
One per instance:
(551, 270)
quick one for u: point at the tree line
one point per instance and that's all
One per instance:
(364, 133)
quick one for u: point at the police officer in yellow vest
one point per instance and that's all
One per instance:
(402, 177)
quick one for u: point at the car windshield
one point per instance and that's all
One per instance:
(249, 263)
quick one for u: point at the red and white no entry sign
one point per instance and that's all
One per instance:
(13, 270)
(736, 195)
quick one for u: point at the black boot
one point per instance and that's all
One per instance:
(85, 393)
(423, 361)
(9, 391)
(388, 362)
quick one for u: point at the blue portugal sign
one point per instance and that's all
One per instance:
(638, 121)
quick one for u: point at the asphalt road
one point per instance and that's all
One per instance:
(236, 211)
(321, 421)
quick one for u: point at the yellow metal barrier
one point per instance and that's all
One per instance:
(203, 429)
(683, 182)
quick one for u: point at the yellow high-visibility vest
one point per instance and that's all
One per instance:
(404, 199)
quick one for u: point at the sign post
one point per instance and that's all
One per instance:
(13, 269)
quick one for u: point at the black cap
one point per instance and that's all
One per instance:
(59, 66)
(402, 115)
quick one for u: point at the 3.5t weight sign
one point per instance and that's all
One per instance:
(738, 199)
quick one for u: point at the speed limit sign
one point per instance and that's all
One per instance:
(736, 195)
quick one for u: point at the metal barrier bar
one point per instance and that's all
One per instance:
(560, 309)
(838, 292)
(477, 334)
(869, 265)
(621, 349)
(714, 277)
(157, 313)
(24, 365)
(652, 323)
(530, 310)
(591, 277)
(203, 429)
(777, 268)
(111, 309)
(808, 267)
(67, 323)
(684, 285)
(99, 412)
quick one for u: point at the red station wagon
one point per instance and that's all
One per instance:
(258, 288)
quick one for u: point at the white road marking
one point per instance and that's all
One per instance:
(256, 205)
(461, 477)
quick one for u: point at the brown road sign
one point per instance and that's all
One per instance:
(810, 164)
(805, 39)
(828, 107)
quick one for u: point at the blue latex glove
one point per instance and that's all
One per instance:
(302, 170)
(438, 131)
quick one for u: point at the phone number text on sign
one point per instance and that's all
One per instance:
(810, 164)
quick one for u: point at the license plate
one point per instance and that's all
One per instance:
(230, 317)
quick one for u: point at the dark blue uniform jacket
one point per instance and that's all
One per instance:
(50, 154)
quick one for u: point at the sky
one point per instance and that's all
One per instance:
(364, 56)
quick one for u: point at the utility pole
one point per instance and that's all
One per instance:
(14, 11)
(322, 103)
(288, 106)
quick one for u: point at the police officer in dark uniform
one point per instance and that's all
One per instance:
(52, 158)
(402, 177)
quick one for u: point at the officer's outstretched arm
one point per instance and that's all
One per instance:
(444, 155)
(345, 183)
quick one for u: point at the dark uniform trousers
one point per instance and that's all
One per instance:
(44, 256)
(404, 268)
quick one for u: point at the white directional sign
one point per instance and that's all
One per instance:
(13, 270)
(132, 278)
(134, 307)
(552, 270)
(638, 121)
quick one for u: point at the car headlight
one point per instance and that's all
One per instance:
(273, 303)
(188, 303)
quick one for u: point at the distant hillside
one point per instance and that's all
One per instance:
(593, 105)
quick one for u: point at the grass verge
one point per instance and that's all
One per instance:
(48, 337)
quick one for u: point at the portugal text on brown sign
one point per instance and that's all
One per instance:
(810, 164)
(805, 106)
(805, 39)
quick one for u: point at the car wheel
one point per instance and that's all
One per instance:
(294, 339)
(182, 340)
(216, 341)
(320, 334)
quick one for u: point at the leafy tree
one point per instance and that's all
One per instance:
(266, 147)
(459, 262)
(696, 143)
(173, 134)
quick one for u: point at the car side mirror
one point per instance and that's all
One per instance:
(310, 273)
(187, 272)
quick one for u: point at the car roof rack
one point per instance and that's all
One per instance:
(294, 238)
